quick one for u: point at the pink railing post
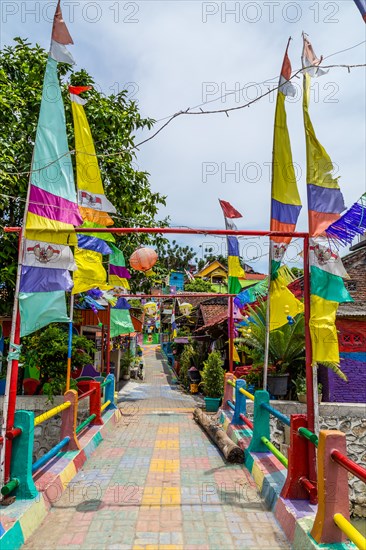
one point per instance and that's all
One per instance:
(333, 492)
(298, 464)
(228, 391)
(69, 419)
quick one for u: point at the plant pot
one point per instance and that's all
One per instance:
(302, 397)
(212, 404)
(277, 384)
(125, 377)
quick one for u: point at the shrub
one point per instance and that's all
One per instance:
(213, 375)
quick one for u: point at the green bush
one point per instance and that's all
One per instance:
(186, 361)
(213, 375)
(49, 349)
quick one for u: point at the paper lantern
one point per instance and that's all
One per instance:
(143, 259)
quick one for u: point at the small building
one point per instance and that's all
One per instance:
(176, 279)
(217, 274)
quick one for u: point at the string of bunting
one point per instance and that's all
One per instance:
(352, 223)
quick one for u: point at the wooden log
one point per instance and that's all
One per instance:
(229, 449)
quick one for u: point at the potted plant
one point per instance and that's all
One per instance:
(300, 385)
(213, 381)
(186, 361)
(126, 365)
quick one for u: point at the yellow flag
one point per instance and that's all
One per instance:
(282, 304)
(234, 267)
(236, 357)
(323, 331)
(90, 272)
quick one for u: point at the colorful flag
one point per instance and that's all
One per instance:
(92, 201)
(286, 202)
(235, 270)
(325, 203)
(90, 272)
(361, 4)
(93, 243)
(118, 273)
(60, 38)
(121, 322)
(38, 309)
(52, 210)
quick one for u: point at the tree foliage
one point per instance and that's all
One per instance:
(173, 257)
(113, 120)
(199, 285)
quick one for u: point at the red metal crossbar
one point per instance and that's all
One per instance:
(89, 392)
(246, 420)
(349, 465)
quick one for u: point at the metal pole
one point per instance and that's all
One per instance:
(69, 344)
(108, 358)
(177, 231)
(231, 334)
(308, 363)
(11, 378)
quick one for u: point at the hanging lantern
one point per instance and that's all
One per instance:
(143, 259)
(185, 309)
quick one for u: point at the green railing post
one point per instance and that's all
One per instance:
(21, 457)
(109, 392)
(261, 423)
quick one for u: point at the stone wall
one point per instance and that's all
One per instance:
(47, 434)
(350, 418)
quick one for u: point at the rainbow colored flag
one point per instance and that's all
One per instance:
(235, 270)
(52, 210)
(118, 272)
(325, 204)
(285, 207)
(93, 204)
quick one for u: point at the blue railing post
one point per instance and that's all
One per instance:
(21, 456)
(240, 403)
(109, 392)
(261, 423)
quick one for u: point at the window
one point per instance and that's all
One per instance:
(351, 286)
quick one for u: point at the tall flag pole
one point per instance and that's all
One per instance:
(51, 212)
(235, 271)
(285, 209)
(325, 204)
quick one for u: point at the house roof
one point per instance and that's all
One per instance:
(352, 309)
(213, 321)
(211, 311)
(210, 268)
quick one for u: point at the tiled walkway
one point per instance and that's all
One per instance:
(157, 482)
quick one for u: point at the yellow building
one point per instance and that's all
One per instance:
(214, 272)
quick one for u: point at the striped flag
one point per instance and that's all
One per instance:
(285, 206)
(52, 210)
(235, 270)
(325, 204)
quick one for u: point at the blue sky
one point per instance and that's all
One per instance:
(178, 54)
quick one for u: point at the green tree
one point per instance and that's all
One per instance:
(199, 285)
(113, 120)
(173, 257)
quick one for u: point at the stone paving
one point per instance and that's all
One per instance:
(157, 482)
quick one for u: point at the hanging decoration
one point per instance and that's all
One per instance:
(143, 259)
(185, 309)
(352, 223)
(150, 309)
(118, 273)
(235, 271)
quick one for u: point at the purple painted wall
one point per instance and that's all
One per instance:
(339, 391)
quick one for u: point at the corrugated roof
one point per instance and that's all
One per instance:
(352, 309)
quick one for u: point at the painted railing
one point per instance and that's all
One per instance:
(331, 492)
(101, 395)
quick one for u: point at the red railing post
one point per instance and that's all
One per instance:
(298, 466)
(95, 404)
(69, 419)
(333, 492)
